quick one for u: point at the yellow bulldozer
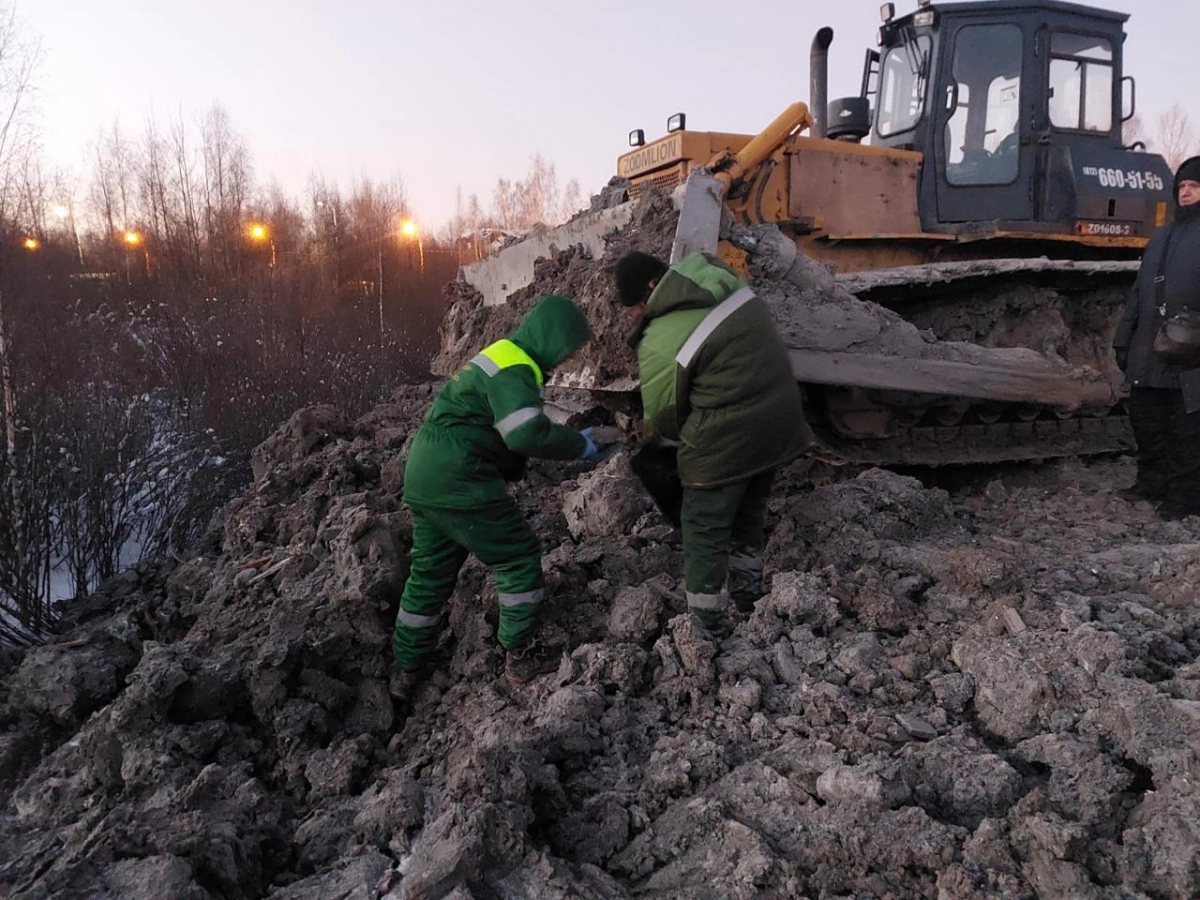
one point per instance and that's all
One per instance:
(978, 185)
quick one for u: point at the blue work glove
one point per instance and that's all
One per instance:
(602, 442)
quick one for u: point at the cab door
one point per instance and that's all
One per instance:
(985, 156)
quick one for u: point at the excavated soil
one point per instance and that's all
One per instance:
(987, 689)
(574, 272)
(980, 687)
(1013, 325)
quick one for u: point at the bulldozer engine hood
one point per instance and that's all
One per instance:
(551, 331)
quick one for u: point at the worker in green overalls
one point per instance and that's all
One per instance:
(476, 437)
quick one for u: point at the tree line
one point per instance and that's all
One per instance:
(162, 312)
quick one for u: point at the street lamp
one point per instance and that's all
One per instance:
(31, 243)
(410, 230)
(133, 240)
(260, 233)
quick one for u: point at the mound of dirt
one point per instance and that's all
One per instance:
(820, 315)
(574, 272)
(985, 691)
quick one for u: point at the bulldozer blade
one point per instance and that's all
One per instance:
(699, 227)
(503, 273)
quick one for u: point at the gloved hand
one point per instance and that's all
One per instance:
(590, 452)
(602, 435)
(1122, 354)
(601, 443)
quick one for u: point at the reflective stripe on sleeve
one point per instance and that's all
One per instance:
(709, 324)
(515, 420)
(486, 363)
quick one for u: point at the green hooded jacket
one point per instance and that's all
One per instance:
(488, 418)
(715, 376)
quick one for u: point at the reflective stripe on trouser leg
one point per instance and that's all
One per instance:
(710, 609)
(707, 520)
(436, 560)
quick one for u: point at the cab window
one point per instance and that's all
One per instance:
(984, 99)
(902, 82)
(1081, 82)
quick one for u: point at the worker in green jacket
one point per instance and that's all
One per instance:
(483, 425)
(715, 381)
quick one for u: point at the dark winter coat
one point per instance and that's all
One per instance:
(1172, 254)
(715, 376)
(489, 418)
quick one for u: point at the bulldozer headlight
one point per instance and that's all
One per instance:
(925, 19)
(637, 138)
(887, 12)
(676, 122)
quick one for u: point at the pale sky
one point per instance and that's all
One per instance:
(448, 93)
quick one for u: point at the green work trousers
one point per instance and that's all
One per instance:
(724, 535)
(501, 539)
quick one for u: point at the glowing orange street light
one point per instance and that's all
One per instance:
(409, 229)
(259, 233)
(133, 240)
(31, 243)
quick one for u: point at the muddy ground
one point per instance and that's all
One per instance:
(968, 685)
(984, 689)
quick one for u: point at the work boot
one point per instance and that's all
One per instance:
(522, 665)
(741, 611)
(715, 622)
(404, 683)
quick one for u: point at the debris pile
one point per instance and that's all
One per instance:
(981, 689)
(985, 692)
(819, 314)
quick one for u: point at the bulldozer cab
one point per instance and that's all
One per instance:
(1017, 107)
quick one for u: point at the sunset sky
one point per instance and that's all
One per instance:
(458, 92)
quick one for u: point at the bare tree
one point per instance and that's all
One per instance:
(536, 199)
(184, 190)
(23, 548)
(1176, 139)
(227, 176)
(113, 183)
(19, 60)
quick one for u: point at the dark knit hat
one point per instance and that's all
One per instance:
(1188, 171)
(633, 273)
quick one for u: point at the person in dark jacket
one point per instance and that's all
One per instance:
(479, 431)
(715, 381)
(1165, 422)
